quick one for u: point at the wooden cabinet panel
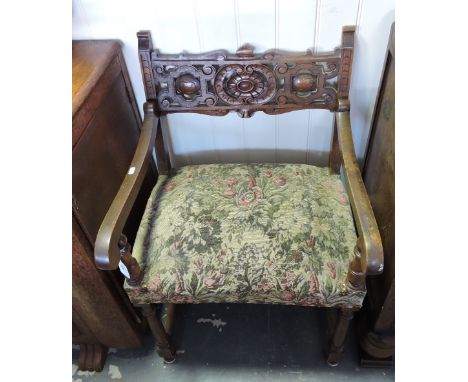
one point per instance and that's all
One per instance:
(106, 128)
(102, 155)
(96, 302)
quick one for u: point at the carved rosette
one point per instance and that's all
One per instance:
(245, 84)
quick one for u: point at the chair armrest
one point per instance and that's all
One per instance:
(106, 250)
(369, 242)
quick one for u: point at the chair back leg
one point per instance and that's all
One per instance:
(339, 336)
(163, 344)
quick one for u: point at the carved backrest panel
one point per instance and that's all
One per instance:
(274, 82)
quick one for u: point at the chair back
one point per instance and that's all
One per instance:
(218, 82)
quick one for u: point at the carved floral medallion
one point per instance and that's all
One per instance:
(245, 84)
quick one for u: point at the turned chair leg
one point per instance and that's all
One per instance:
(163, 344)
(339, 336)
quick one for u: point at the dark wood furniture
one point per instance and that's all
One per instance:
(106, 129)
(215, 84)
(377, 322)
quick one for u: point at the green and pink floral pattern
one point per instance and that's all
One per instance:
(262, 233)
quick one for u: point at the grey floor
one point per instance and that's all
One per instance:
(231, 342)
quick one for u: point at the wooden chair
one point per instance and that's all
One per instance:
(247, 233)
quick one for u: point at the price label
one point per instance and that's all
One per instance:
(124, 269)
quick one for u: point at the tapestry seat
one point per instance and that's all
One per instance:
(252, 233)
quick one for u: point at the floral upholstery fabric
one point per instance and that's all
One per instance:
(262, 233)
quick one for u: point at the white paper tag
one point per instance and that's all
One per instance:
(131, 170)
(124, 269)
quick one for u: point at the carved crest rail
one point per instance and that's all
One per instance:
(274, 82)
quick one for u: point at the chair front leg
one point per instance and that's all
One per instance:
(163, 344)
(339, 336)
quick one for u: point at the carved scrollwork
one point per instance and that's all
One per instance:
(219, 85)
(184, 86)
(307, 83)
(208, 69)
(281, 68)
(272, 82)
(218, 82)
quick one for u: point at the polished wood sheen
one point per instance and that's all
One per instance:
(369, 246)
(90, 60)
(107, 252)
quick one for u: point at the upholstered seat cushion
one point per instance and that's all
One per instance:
(263, 233)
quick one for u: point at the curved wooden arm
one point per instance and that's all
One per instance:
(107, 250)
(369, 242)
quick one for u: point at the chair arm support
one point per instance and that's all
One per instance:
(369, 242)
(107, 251)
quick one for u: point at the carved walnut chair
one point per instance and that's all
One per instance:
(246, 233)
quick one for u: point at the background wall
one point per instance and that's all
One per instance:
(203, 25)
